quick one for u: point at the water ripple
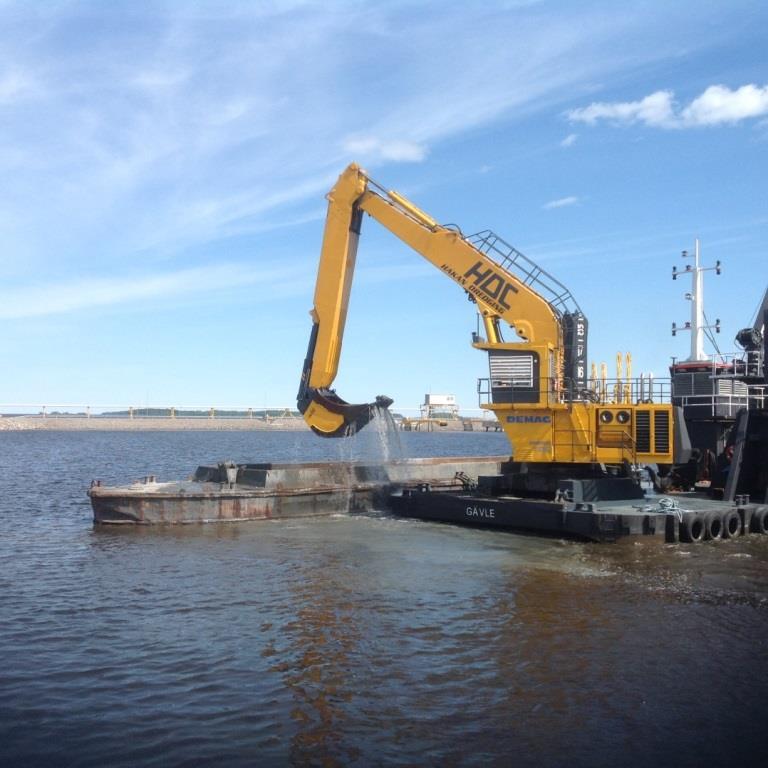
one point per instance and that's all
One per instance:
(355, 640)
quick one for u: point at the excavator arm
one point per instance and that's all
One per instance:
(325, 412)
(499, 294)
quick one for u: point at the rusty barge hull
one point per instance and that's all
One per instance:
(228, 492)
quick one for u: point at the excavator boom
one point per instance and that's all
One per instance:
(498, 293)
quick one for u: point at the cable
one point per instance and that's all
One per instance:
(710, 335)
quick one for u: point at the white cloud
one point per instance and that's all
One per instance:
(370, 148)
(569, 140)
(717, 105)
(561, 202)
(655, 110)
(158, 79)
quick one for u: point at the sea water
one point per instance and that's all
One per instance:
(357, 639)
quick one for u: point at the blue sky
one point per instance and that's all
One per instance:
(165, 166)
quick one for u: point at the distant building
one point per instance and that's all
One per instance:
(439, 407)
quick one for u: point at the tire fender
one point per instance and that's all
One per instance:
(759, 521)
(692, 528)
(731, 524)
(714, 526)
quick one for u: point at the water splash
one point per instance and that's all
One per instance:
(378, 443)
(388, 434)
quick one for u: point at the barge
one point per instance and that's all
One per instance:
(580, 510)
(229, 492)
(597, 509)
(590, 455)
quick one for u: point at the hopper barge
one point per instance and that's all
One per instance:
(229, 492)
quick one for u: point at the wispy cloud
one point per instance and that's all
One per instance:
(370, 148)
(168, 130)
(562, 202)
(14, 85)
(717, 105)
(87, 293)
(569, 140)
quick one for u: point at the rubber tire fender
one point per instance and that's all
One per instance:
(759, 521)
(714, 525)
(692, 528)
(731, 524)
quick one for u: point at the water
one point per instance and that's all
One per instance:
(356, 640)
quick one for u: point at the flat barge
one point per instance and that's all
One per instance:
(688, 518)
(236, 492)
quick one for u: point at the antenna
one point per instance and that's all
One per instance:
(697, 325)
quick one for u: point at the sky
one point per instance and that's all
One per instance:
(165, 166)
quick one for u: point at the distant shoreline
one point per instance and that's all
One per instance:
(167, 424)
(148, 424)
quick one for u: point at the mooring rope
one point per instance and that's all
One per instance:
(665, 506)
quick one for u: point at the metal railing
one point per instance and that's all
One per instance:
(731, 364)
(754, 398)
(719, 386)
(643, 389)
(524, 269)
(577, 441)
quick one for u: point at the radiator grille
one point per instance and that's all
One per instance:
(643, 431)
(661, 431)
(511, 370)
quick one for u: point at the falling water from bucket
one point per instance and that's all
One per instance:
(390, 447)
(378, 443)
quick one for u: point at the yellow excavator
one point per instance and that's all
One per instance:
(553, 411)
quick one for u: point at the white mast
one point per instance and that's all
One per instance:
(697, 309)
(696, 325)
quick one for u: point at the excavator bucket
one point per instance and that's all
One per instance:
(325, 412)
(330, 416)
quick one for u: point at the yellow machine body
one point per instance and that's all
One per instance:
(577, 433)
